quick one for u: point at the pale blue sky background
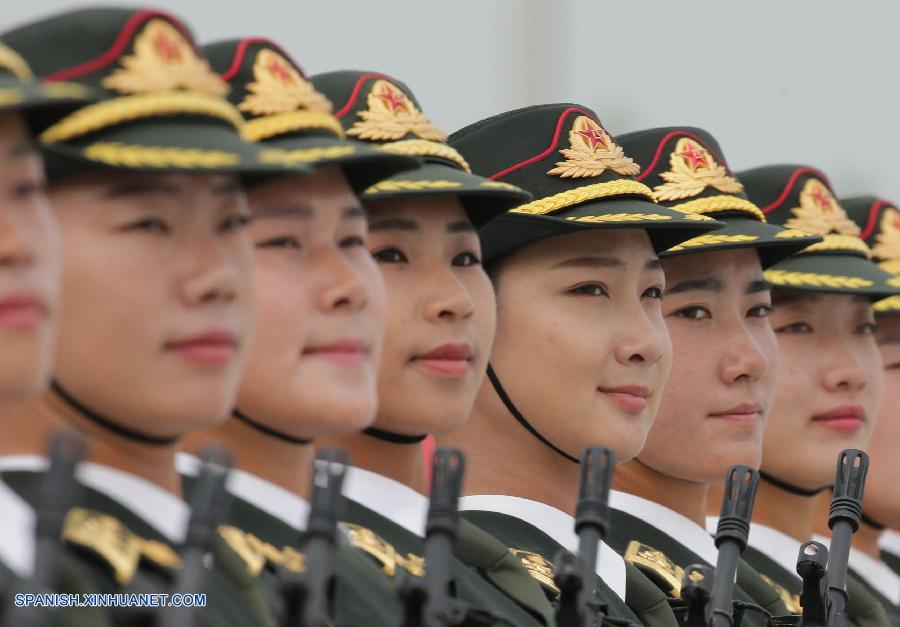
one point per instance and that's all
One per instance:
(776, 81)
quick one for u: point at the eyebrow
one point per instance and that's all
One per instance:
(757, 286)
(406, 224)
(705, 284)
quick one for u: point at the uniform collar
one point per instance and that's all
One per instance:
(679, 528)
(555, 523)
(16, 533)
(262, 494)
(890, 541)
(160, 509)
(389, 498)
(874, 572)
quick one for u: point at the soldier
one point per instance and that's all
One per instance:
(440, 323)
(879, 221)
(716, 306)
(158, 294)
(313, 364)
(30, 263)
(830, 380)
(582, 353)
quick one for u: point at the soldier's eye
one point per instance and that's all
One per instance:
(351, 241)
(867, 328)
(653, 292)
(389, 255)
(694, 312)
(466, 259)
(760, 311)
(284, 241)
(235, 222)
(795, 327)
(148, 224)
(590, 289)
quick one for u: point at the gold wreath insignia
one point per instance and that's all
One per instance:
(820, 213)
(391, 115)
(163, 60)
(887, 244)
(693, 169)
(279, 88)
(591, 152)
(12, 62)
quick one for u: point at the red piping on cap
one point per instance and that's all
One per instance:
(664, 140)
(98, 63)
(553, 143)
(877, 204)
(790, 184)
(355, 93)
(241, 51)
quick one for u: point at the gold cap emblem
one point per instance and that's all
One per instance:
(887, 244)
(591, 152)
(279, 88)
(693, 169)
(391, 115)
(164, 60)
(820, 213)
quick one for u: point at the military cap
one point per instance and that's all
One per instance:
(580, 178)
(377, 108)
(39, 103)
(687, 171)
(293, 120)
(879, 220)
(161, 107)
(801, 197)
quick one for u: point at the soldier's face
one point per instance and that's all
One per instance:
(441, 314)
(882, 488)
(29, 265)
(723, 377)
(314, 365)
(581, 347)
(158, 297)
(830, 385)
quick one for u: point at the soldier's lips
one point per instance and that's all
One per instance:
(631, 398)
(846, 418)
(22, 311)
(742, 413)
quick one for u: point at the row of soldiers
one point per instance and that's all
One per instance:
(213, 266)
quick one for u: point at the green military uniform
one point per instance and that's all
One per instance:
(890, 549)
(159, 109)
(383, 112)
(801, 197)
(593, 187)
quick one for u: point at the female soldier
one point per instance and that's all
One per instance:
(158, 292)
(831, 379)
(313, 362)
(440, 325)
(582, 352)
(716, 307)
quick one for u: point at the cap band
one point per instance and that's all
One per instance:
(716, 204)
(261, 128)
(557, 202)
(426, 148)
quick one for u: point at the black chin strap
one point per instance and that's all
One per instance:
(504, 397)
(393, 438)
(789, 487)
(874, 524)
(107, 423)
(278, 435)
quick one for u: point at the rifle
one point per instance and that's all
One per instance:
(731, 539)
(811, 565)
(431, 605)
(59, 492)
(209, 507)
(576, 576)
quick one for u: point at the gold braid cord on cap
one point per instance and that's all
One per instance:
(258, 129)
(163, 60)
(887, 243)
(621, 217)
(792, 234)
(425, 148)
(129, 108)
(279, 156)
(693, 169)
(718, 204)
(12, 62)
(839, 243)
(391, 185)
(556, 202)
(712, 240)
(279, 88)
(391, 115)
(820, 213)
(122, 155)
(786, 278)
(592, 152)
(10, 97)
(888, 304)
(891, 265)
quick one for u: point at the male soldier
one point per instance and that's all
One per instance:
(158, 295)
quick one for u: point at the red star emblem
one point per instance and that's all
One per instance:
(279, 70)
(696, 157)
(166, 48)
(395, 99)
(823, 199)
(594, 136)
